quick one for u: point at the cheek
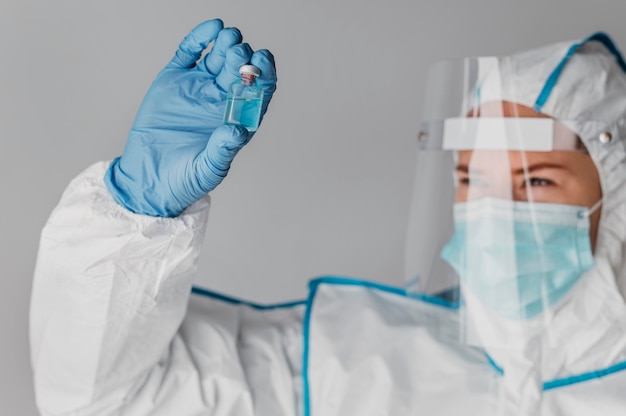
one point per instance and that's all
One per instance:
(588, 180)
(555, 194)
(460, 196)
(585, 192)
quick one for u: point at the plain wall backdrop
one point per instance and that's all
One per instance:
(325, 186)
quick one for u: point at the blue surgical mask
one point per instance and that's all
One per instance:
(519, 258)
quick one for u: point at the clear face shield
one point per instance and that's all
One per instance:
(505, 207)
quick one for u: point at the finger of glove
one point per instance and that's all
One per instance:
(236, 56)
(212, 165)
(264, 60)
(213, 62)
(191, 48)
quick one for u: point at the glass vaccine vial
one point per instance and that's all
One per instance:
(243, 104)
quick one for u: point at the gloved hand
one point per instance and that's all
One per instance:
(178, 150)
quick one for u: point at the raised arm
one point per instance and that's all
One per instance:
(119, 252)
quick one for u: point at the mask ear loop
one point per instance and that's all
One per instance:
(594, 208)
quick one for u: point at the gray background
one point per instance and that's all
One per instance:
(325, 187)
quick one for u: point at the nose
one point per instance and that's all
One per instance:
(497, 186)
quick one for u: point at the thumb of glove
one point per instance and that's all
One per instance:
(212, 164)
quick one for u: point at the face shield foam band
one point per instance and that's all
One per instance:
(498, 133)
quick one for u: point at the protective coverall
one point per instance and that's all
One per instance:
(116, 328)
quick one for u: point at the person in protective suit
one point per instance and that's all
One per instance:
(516, 304)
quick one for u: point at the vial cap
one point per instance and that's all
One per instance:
(250, 69)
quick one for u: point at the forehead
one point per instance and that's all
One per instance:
(504, 109)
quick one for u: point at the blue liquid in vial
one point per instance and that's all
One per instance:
(244, 112)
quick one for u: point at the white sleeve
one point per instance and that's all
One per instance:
(109, 293)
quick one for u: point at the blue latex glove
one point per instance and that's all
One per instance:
(178, 150)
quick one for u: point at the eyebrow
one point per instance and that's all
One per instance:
(465, 169)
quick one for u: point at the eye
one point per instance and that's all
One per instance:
(471, 181)
(535, 182)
